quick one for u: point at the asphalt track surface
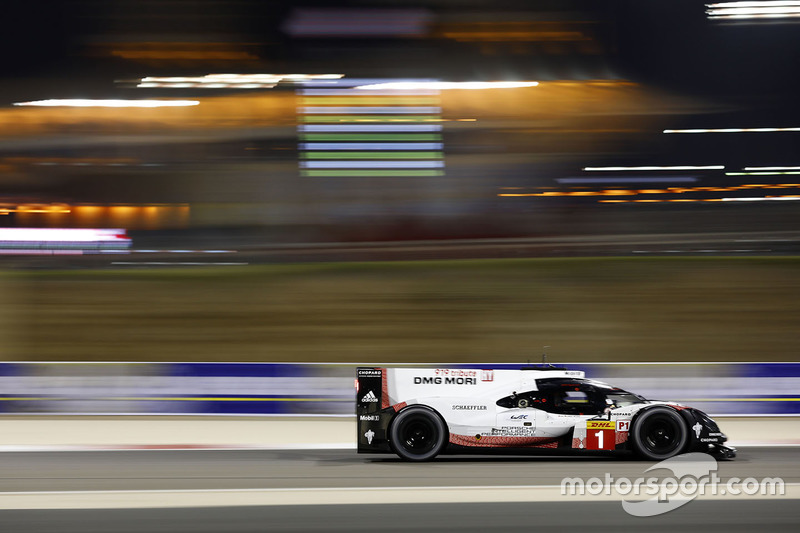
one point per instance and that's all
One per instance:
(278, 469)
(343, 469)
(706, 516)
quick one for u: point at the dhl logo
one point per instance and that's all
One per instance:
(600, 424)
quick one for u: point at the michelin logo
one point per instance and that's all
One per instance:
(369, 398)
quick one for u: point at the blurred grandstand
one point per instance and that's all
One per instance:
(647, 118)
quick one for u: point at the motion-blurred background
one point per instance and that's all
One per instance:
(622, 184)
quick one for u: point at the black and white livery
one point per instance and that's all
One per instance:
(419, 413)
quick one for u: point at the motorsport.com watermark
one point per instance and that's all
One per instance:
(694, 474)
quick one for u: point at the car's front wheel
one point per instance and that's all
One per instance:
(659, 433)
(418, 434)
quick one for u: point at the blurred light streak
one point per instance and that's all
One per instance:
(762, 199)
(373, 137)
(363, 129)
(774, 186)
(372, 155)
(79, 102)
(371, 146)
(768, 173)
(369, 118)
(677, 167)
(447, 85)
(366, 110)
(305, 77)
(371, 173)
(23, 239)
(642, 179)
(48, 251)
(371, 164)
(670, 190)
(350, 85)
(772, 168)
(750, 10)
(129, 216)
(361, 92)
(228, 81)
(618, 192)
(734, 130)
(366, 100)
(49, 209)
(728, 199)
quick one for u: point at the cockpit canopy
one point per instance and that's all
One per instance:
(571, 396)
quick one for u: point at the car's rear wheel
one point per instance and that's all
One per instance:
(659, 433)
(418, 434)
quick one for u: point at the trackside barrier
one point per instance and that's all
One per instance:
(314, 389)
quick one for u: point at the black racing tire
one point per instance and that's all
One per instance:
(418, 434)
(659, 433)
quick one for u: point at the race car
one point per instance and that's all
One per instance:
(419, 413)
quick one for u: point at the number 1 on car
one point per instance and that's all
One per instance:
(602, 439)
(600, 435)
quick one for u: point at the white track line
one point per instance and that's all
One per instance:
(321, 496)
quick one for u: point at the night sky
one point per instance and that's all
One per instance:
(663, 42)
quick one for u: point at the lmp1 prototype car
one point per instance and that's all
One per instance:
(419, 413)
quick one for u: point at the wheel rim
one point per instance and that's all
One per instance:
(661, 434)
(418, 435)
